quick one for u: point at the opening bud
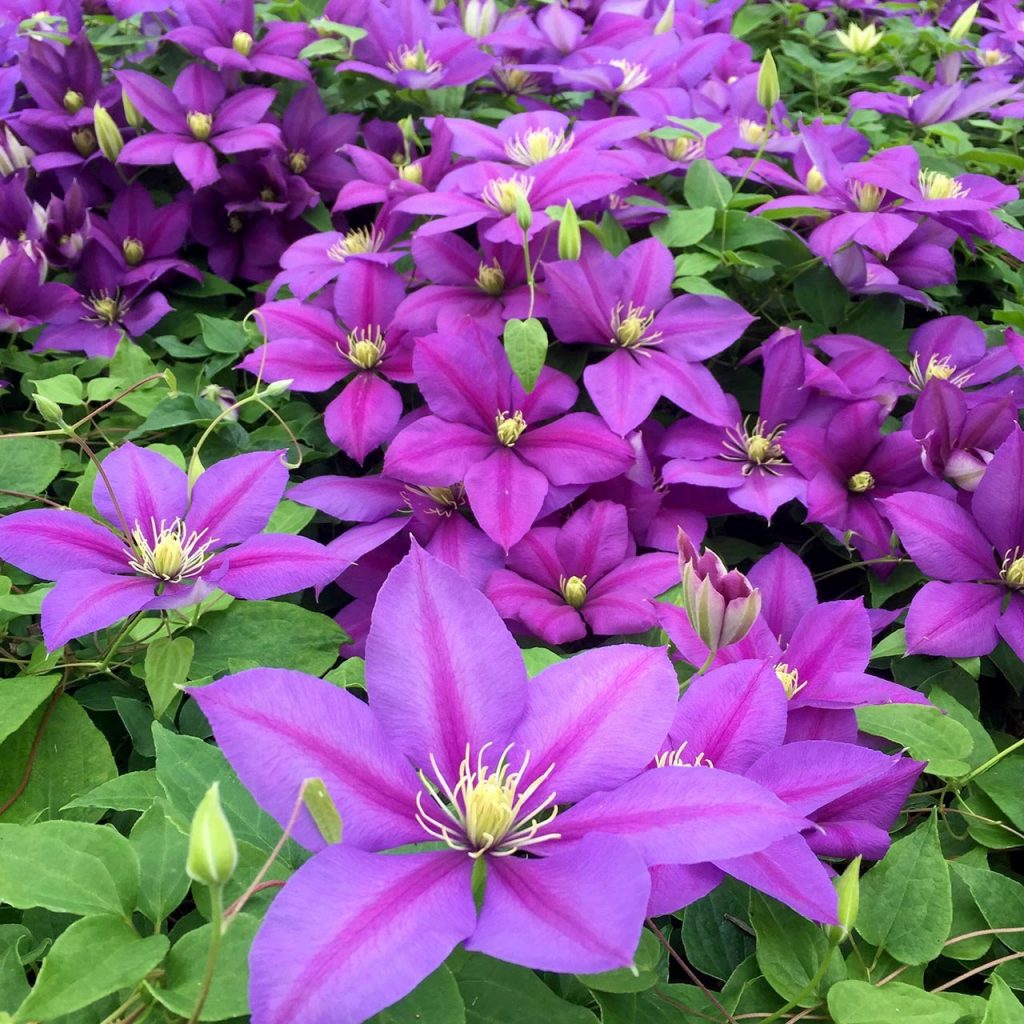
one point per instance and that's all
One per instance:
(569, 239)
(768, 90)
(200, 125)
(848, 890)
(212, 850)
(107, 133)
(131, 112)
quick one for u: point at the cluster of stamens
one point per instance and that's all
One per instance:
(934, 185)
(630, 325)
(487, 811)
(868, 197)
(446, 499)
(537, 145)
(505, 194)
(676, 759)
(356, 242)
(756, 447)
(683, 148)
(633, 75)
(200, 125)
(1012, 570)
(509, 428)
(790, 679)
(107, 308)
(574, 590)
(938, 368)
(490, 278)
(168, 553)
(366, 347)
(861, 482)
(753, 132)
(413, 58)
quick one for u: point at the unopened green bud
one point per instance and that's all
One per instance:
(171, 381)
(107, 133)
(524, 215)
(212, 850)
(49, 410)
(73, 101)
(322, 810)
(848, 890)
(132, 114)
(768, 90)
(963, 24)
(667, 20)
(241, 43)
(277, 387)
(569, 240)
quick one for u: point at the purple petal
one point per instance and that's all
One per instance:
(624, 389)
(87, 599)
(998, 503)
(363, 416)
(197, 163)
(234, 498)
(506, 495)
(831, 637)
(279, 728)
(578, 911)
(155, 101)
(149, 488)
(599, 718)
(310, 364)
(434, 452)
(577, 449)
(442, 669)
(272, 564)
(674, 886)
(787, 590)
(353, 932)
(622, 601)
(956, 620)
(49, 542)
(595, 539)
(543, 612)
(243, 109)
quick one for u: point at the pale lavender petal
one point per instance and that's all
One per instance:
(87, 599)
(279, 728)
(442, 670)
(149, 488)
(352, 932)
(50, 542)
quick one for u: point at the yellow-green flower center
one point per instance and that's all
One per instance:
(507, 194)
(574, 590)
(934, 185)
(537, 145)
(860, 482)
(630, 325)
(868, 197)
(168, 553)
(509, 428)
(133, 251)
(241, 43)
(413, 58)
(790, 679)
(633, 75)
(491, 278)
(356, 241)
(366, 347)
(200, 125)
(84, 140)
(1013, 570)
(298, 161)
(73, 101)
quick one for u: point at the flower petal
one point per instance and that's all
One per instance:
(956, 620)
(87, 599)
(506, 495)
(149, 488)
(272, 564)
(50, 542)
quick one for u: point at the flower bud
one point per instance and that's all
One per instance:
(107, 133)
(241, 43)
(848, 890)
(720, 604)
(134, 251)
(73, 101)
(277, 387)
(524, 215)
(479, 18)
(49, 410)
(171, 381)
(84, 140)
(411, 172)
(667, 21)
(768, 90)
(131, 112)
(212, 851)
(569, 240)
(322, 810)
(963, 24)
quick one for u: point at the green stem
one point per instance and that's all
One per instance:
(707, 663)
(991, 762)
(118, 640)
(216, 934)
(810, 987)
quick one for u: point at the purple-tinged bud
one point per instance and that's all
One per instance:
(720, 603)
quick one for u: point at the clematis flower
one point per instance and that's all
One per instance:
(25, 301)
(162, 546)
(458, 749)
(954, 349)
(312, 139)
(195, 121)
(625, 303)
(496, 439)
(975, 560)
(560, 580)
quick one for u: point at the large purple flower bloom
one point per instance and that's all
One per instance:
(195, 121)
(488, 433)
(168, 547)
(975, 560)
(457, 748)
(657, 343)
(586, 573)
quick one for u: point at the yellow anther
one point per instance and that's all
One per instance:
(172, 555)
(753, 132)
(298, 161)
(574, 590)
(357, 241)
(934, 185)
(491, 278)
(789, 679)
(413, 58)
(868, 197)
(506, 194)
(860, 482)
(73, 101)
(630, 327)
(366, 347)
(200, 125)
(133, 250)
(241, 42)
(537, 145)
(815, 181)
(509, 428)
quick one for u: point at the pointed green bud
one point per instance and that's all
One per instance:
(212, 851)
(963, 24)
(277, 387)
(667, 20)
(569, 240)
(132, 114)
(107, 133)
(172, 382)
(524, 215)
(195, 470)
(848, 889)
(49, 410)
(322, 810)
(768, 90)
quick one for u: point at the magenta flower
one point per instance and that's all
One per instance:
(488, 433)
(195, 121)
(586, 573)
(624, 303)
(457, 749)
(167, 547)
(975, 560)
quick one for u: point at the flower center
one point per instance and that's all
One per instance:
(241, 42)
(509, 428)
(298, 161)
(789, 677)
(677, 759)
(413, 58)
(867, 197)
(168, 553)
(505, 194)
(446, 499)
(938, 368)
(860, 482)
(487, 809)
(752, 132)
(516, 81)
(73, 101)
(1013, 570)
(366, 347)
(630, 327)
(355, 242)
(537, 145)
(934, 185)
(133, 251)
(411, 172)
(200, 125)
(633, 75)
(815, 181)
(491, 278)
(682, 148)
(84, 140)
(574, 590)
(757, 447)
(991, 58)
(108, 309)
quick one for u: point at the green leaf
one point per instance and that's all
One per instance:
(1003, 1006)
(526, 345)
(27, 464)
(715, 942)
(162, 849)
(186, 964)
(72, 758)
(1003, 784)
(19, 697)
(682, 228)
(705, 186)
(743, 230)
(268, 633)
(821, 296)
(93, 958)
(1000, 900)
(168, 660)
(436, 999)
(906, 902)
(648, 970)
(134, 791)
(858, 1002)
(925, 731)
(64, 389)
(790, 949)
(220, 335)
(68, 866)
(536, 659)
(892, 646)
(500, 993)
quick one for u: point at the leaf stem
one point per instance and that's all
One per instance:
(217, 926)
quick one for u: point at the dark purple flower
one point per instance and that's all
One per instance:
(25, 301)
(312, 139)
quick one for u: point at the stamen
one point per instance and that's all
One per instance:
(356, 242)
(934, 185)
(1012, 571)
(674, 759)
(574, 590)
(537, 145)
(938, 368)
(491, 278)
(757, 448)
(868, 197)
(789, 679)
(366, 347)
(509, 429)
(413, 58)
(860, 482)
(505, 194)
(633, 75)
(630, 330)
(172, 555)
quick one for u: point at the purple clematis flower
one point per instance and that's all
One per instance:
(488, 433)
(625, 303)
(458, 748)
(312, 139)
(559, 581)
(25, 301)
(195, 120)
(166, 547)
(975, 560)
